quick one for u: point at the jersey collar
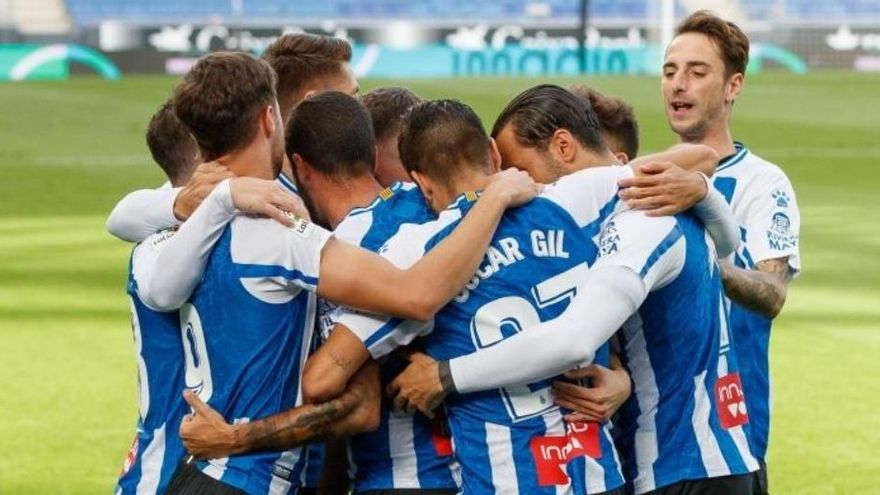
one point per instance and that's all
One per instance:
(464, 199)
(740, 152)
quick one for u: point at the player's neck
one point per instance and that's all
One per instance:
(253, 160)
(591, 158)
(343, 195)
(718, 138)
(465, 181)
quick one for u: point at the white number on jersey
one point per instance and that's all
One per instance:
(198, 367)
(519, 313)
(143, 380)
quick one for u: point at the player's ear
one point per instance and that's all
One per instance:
(494, 155)
(562, 146)
(269, 120)
(301, 168)
(623, 157)
(424, 184)
(734, 87)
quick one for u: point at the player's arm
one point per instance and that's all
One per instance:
(184, 257)
(609, 388)
(146, 211)
(773, 222)
(207, 435)
(763, 289)
(355, 277)
(328, 370)
(669, 182)
(611, 292)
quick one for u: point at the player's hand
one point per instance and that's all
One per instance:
(418, 387)
(513, 186)
(598, 403)
(206, 176)
(662, 188)
(205, 433)
(266, 198)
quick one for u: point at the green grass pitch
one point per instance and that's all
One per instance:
(69, 150)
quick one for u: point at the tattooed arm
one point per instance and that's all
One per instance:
(207, 435)
(763, 289)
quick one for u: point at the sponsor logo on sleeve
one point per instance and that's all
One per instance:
(781, 198)
(609, 239)
(779, 235)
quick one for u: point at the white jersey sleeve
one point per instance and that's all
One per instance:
(772, 221)
(382, 334)
(142, 213)
(146, 255)
(652, 247)
(589, 195)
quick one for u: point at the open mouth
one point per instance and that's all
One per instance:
(680, 106)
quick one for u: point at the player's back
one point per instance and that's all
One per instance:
(247, 329)
(514, 439)
(687, 417)
(764, 204)
(157, 449)
(401, 453)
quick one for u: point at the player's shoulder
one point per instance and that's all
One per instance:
(353, 228)
(261, 240)
(746, 162)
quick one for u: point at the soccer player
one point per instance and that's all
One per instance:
(305, 64)
(388, 106)
(332, 146)
(531, 239)
(157, 449)
(684, 427)
(248, 321)
(617, 121)
(703, 75)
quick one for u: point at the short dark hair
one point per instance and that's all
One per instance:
(221, 98)
(300, 58)
(727, 36)
(441, 137)
(388, 107)
(617, 120)
(538, 112)
(332, 131)
(172, 146)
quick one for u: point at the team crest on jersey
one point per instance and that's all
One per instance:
(609, 239)
(781, 198)
(780, 235)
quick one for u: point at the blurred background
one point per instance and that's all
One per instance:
(79, 80)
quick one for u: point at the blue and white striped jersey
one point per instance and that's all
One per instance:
(157, 448)
(765, 206)
(514, 440)
(687, 418)
(401, 452)
(247, 331)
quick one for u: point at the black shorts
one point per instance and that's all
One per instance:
(761, 487)
(738, 484)
(189, 480)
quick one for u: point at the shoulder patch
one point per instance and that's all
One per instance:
(386, 193)
(781, 198)
(302, 226)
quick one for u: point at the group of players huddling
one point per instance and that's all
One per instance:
(372, 295)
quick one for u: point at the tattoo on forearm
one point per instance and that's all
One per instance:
(763, 289)
(293, 428)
